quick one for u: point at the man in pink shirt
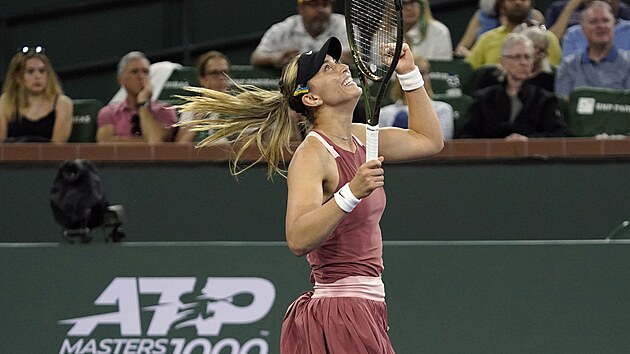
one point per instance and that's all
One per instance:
(137, 118)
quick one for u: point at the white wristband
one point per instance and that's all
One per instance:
(411, 81)
(345, 199)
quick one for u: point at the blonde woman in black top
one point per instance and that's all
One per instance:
(33, 107)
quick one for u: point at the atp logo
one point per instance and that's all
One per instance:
(219, 302)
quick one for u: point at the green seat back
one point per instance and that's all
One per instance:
(592, 111)
(460, 106)
(185, 76)
(440, 71)
(84, 121)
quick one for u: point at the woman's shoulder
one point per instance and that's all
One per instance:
(439, 26)
(311, 147)
(65, 100)
(537, 15)
(312, 155)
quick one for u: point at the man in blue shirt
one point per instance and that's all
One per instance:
(601, 64)
(575, 40)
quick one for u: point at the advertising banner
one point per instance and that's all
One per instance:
(112, 299)
(230, 298)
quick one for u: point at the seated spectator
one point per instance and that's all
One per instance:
(397, 114)
(33, 107)
(563, 14)
(543, 74)
(601, 64)
(575, 40)
(423, 33)
(213, 70)
(487, 49)
(137, 118)
(514, 109)
(308, 30)
(483, 20)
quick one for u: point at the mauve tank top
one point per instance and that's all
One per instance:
(355, 247)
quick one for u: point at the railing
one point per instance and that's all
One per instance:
(457, 150)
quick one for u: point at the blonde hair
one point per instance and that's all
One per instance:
(536, 35)
(254, 116)
(15, 92)
(426, 16)
(513, 39)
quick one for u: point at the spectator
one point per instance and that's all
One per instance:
(397, 114)
(575, 40)
(33, 107)
(563, 14)
(543, 73)
(601, 64)
(426, 35)
(514, 109)
(137, 118)
(483, 20)
(487, 49)
(213, 70)
(308, 30)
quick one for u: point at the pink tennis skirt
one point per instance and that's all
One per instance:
(336, 325)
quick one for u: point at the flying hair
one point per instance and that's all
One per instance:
(253, 117)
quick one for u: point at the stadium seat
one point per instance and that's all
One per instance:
(84, 122)
(593, 111)
(251, 75)
(460, 106)
(174, 85)
(456, 69)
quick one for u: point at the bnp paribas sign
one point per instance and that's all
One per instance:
(146, 315)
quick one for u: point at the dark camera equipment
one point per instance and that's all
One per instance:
(79, 203)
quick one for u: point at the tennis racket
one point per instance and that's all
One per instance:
(375, 35)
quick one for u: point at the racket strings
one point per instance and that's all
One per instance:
(374, 26)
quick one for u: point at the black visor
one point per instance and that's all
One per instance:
(308, 65)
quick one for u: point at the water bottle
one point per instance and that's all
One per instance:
(453, 85)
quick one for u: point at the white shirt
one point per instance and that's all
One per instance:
(291, 34)
(436, 44)
(444, 112)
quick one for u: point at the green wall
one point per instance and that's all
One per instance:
(501, 297)
(164, 29)
(85, 44)
(426, 201)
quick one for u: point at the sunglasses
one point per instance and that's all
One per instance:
(37, 50)
(135, 125)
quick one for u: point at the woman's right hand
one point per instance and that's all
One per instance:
(369, 177)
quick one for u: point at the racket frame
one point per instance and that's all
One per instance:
(373, 104)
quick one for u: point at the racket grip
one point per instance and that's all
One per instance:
(371, 142)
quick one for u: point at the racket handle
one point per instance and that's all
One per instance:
(371, 142)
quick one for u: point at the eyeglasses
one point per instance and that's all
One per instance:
(37, 50)
(217, 73)
(519, 57)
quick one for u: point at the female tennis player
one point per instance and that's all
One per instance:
(335, 198)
